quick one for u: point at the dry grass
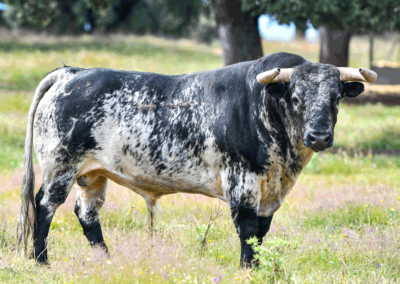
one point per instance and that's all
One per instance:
(361, 241)
(354, 197)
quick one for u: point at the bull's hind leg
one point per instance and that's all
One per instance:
(53, 192)
(151, 204)
(91, 194)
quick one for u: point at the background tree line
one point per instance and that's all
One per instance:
(235, 21)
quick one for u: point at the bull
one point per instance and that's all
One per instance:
(241, 133)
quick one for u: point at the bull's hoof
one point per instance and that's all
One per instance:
(43, 262)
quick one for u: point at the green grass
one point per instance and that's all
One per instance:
(356, 197)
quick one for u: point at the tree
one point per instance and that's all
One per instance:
(237, 30)
(160, 17)
(336, 19)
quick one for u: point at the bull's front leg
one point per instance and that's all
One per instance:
(244, 199)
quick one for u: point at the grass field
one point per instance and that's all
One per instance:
(340, 224)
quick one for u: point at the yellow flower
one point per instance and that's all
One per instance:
(129, 211)
(332, 236)
(108, 261)
(366, 205)
(370, 156)
(73, 227)
(88, 258)
(66, 260)
(391, 209)
(11, 217)
(140, 272)
(382, 200)
(108, 219)
(221, 256)
(208, 241)
(200, 216)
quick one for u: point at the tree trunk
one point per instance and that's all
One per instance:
(334, 46)
(371, 51)
(237, 31)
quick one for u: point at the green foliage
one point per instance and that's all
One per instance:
(167, 17)
(270, 258)
(361, 15)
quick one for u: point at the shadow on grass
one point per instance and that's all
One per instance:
(144, 49)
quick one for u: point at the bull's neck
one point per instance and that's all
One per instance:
(285, 134)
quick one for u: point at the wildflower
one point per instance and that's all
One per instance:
(366, 205)
(140, 272)
(375, 229)
(136, 212)
(121, 267)
(129, 211)
(318, 240)
(391, 209)
(272, 230)
(221, 256)
(165, 275)
(108, 219)
(208, 240)
(382, 200)
(88, 258)
(327, 228)
(108, 261)
(370, 156)
(332, 236)
(73, 228)
(11, 218)
(173, 202)
(282, 229)
(200, 215)
(163, 216)
(105, 240)
(377, 264)
(66, 260)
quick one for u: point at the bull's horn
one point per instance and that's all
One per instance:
(275, 75)
(354, 74)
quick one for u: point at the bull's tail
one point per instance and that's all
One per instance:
(27, 214)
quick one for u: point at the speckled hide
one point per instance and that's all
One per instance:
(217, 133)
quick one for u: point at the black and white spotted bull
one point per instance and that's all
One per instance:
(222, 133)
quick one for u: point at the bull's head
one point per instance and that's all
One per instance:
(312, 93)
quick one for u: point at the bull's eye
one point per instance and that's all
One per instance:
(295, 101)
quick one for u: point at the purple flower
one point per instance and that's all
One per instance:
(136, 212)
(272, 230)
(216, 280)
(173, 202)
(220, 277)
(375, 229)
(318, 240)
(327, 228)
(370, 230)
(165, 275)
(282, 229)
(377, 264)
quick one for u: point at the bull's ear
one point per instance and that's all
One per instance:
(276, 90)
(352, 89)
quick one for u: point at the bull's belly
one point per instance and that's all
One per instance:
(152, 185)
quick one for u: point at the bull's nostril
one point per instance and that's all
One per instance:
(312, 139)
(327, 139)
